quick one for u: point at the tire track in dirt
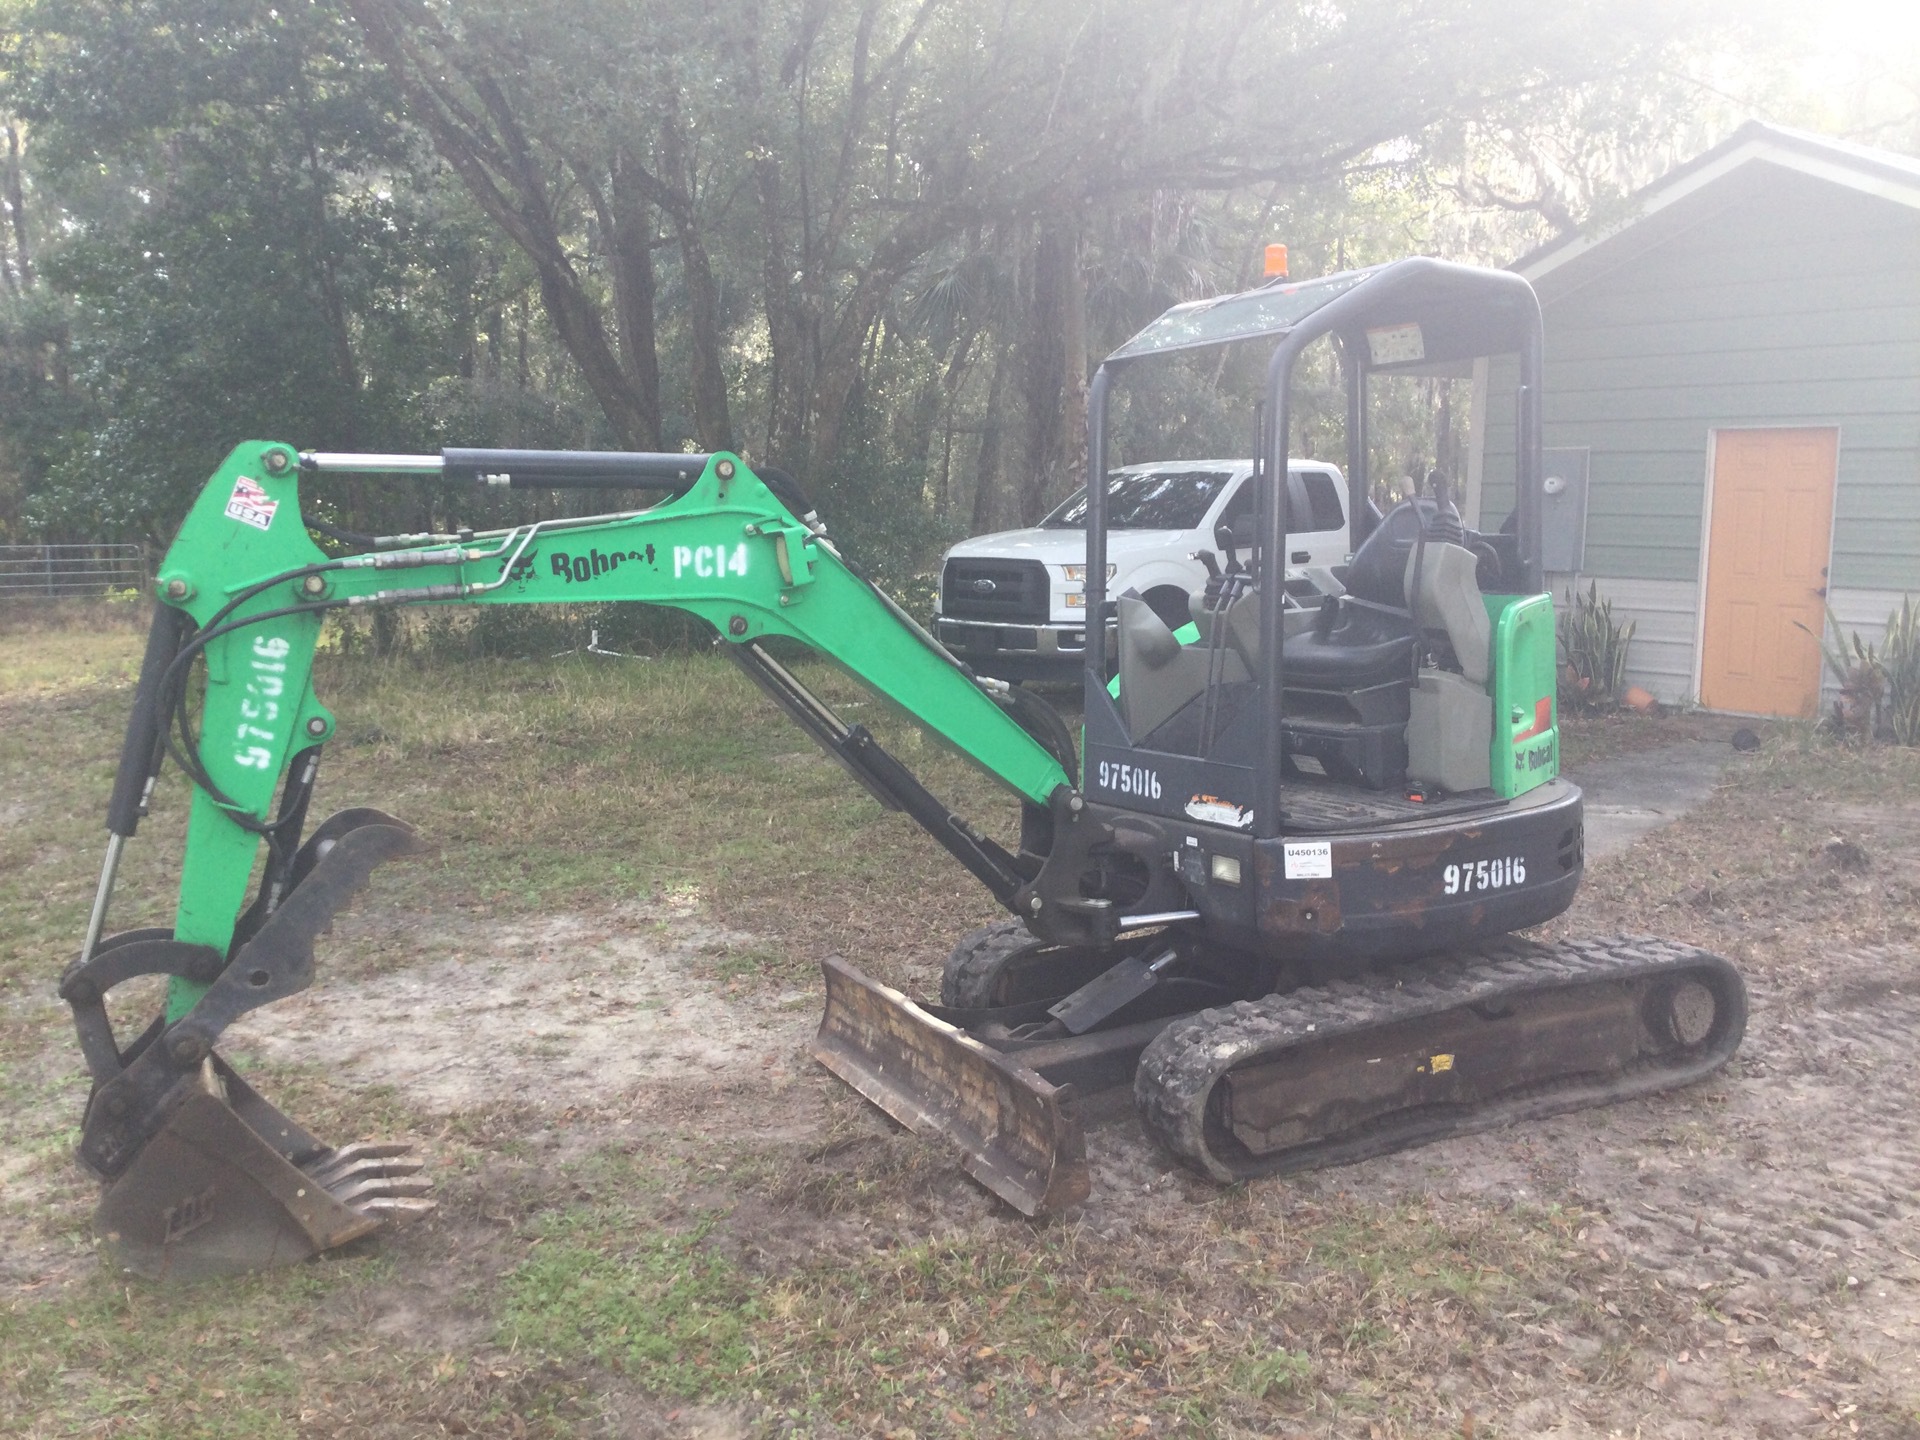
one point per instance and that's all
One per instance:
(1772, 1182)
(1810, 1172)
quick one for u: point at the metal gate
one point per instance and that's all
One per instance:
(61, 572)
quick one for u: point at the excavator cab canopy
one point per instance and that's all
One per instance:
(1458, 312)
(1417, 316)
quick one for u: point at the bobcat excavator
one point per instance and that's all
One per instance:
(1270, 892)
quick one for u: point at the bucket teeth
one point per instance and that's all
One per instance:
(362, 1195)
(231, 1184)
(203, 1176)
(383, 1157)
(396, 1209)
(373, 1178)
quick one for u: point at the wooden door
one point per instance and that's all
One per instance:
(1767, 545)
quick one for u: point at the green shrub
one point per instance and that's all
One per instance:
(1862, 682)
(1900, 662)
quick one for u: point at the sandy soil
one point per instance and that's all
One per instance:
(1789, 1186)
(567, 1011)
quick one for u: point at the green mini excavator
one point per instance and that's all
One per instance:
(1272, 887)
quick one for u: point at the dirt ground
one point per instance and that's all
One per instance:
(597, 1084)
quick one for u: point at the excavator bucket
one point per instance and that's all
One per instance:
(203, 1176)
(229, 1184)
(1020, 1135)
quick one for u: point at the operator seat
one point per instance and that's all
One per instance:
(1449, 712)
(1395, 586)
(1356, 707)
(1364, 638)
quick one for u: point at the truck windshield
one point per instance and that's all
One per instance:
(1147, 500)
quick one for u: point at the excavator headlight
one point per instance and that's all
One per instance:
(1225, 869)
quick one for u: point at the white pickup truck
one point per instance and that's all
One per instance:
(1013, 604)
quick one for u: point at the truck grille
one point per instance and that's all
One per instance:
(1005, 591)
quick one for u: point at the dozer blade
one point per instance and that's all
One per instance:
(1021, 1136)
(229, 1184)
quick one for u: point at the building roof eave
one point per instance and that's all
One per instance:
(1879, 173)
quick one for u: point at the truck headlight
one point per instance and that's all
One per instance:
(1078, 573)
(1075, 600)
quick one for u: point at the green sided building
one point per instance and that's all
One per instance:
(1732, 413)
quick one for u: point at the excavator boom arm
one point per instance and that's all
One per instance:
(724, 548)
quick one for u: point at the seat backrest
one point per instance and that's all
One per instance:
(1377, 573)
(1448, 600)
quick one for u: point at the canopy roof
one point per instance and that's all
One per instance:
(1408, 313)
(1273, 309)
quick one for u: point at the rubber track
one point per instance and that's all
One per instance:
(1180, 1068)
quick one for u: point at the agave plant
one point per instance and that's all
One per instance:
(1862, 682)
(1593, 653)
(1879, 685)
(1900, 669)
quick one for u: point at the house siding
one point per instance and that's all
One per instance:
(1797, 304)
(1666, 616)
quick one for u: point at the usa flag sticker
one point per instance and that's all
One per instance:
(251, 505)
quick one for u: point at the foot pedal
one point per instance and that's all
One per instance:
(1111, 992)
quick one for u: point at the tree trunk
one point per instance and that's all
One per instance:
(17, 210)
(1073, 383)
(484, 144)
(634, 289)
(788, 380)
(711, 410)
(986, 469)
(711, 413)
(1055, 359)
(326, 274)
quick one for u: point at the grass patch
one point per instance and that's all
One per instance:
(662, 1309)
(1752, 872)
(207, 1361)
(1232, 1316)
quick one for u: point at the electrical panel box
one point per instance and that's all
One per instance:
(1563, 511)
